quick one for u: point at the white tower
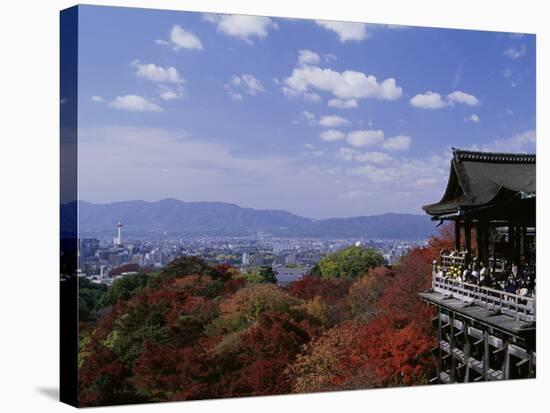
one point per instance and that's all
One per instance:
(119, 233)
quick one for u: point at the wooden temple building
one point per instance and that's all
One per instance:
(484, 289)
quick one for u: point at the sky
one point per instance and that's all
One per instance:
(319, 118)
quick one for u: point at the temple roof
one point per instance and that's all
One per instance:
(483, 178)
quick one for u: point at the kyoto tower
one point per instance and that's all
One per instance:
(119, 232)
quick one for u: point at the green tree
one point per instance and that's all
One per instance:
(263, 274)
(124, 288)
(350, 262)
(268, 275)
(89, 297)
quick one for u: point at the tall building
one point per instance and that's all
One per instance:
(118, 239)
(246, 258)
(279, 259)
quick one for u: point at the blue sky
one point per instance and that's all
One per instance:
(323, 119)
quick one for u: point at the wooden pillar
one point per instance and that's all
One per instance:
(482, 232)
(468, 239)
(439, 351)
(457, 235)
(479, 240)
(486, 355)
(485, 247)
(511, 241)
(452, 346)
(506, 363)
(467, 346)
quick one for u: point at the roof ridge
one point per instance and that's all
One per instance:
(504, 157)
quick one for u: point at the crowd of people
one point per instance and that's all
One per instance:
(496, 274)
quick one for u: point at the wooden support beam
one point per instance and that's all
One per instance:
(451, 347)
(457, 235)
(439, 337)
(506, 362)
(479, 240)
(486, 357)
(468, 239)
(467, 345)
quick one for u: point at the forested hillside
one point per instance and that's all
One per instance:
(196, 331)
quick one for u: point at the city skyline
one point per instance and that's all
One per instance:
(322, 119)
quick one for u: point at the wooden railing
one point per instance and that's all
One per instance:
(519, 307)
(448, 261)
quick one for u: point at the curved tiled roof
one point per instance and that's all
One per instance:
(463, 155)
(479, 178)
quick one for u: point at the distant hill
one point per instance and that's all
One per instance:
(176, 217)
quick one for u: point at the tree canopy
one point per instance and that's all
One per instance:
(350, 262)
(198, 331)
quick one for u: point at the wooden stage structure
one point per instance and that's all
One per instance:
(484, 332)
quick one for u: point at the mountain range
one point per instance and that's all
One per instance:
(175, 217)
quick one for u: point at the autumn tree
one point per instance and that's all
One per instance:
(363, 294)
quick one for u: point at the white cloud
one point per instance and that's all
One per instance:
(422, 174)
(332, 135)
(374, 157)
(307, 57)
(342, 104)
(236, 96)
(181, 39)
(343, 85)
(360, 138)
(246, 83)
(346, 31)
(135, 103)
(433, 100)
(473, 118)
(309, 117)
(308, 96)
(156, 73)
(522, 142)
(331, 121)
(514, 53)
(428, 100)
(97, 99)
(397, 143)
(349, 154)
(507, 73)
(461, 97)
(169, 95)
(242, 27)
(311, 150)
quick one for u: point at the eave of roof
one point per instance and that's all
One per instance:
(471, 184)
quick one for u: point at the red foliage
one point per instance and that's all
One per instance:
(330, 290)
(411, 276)
(265, 351)
(202, 333)
(103, 379)
(398, 351)
(167, 373)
